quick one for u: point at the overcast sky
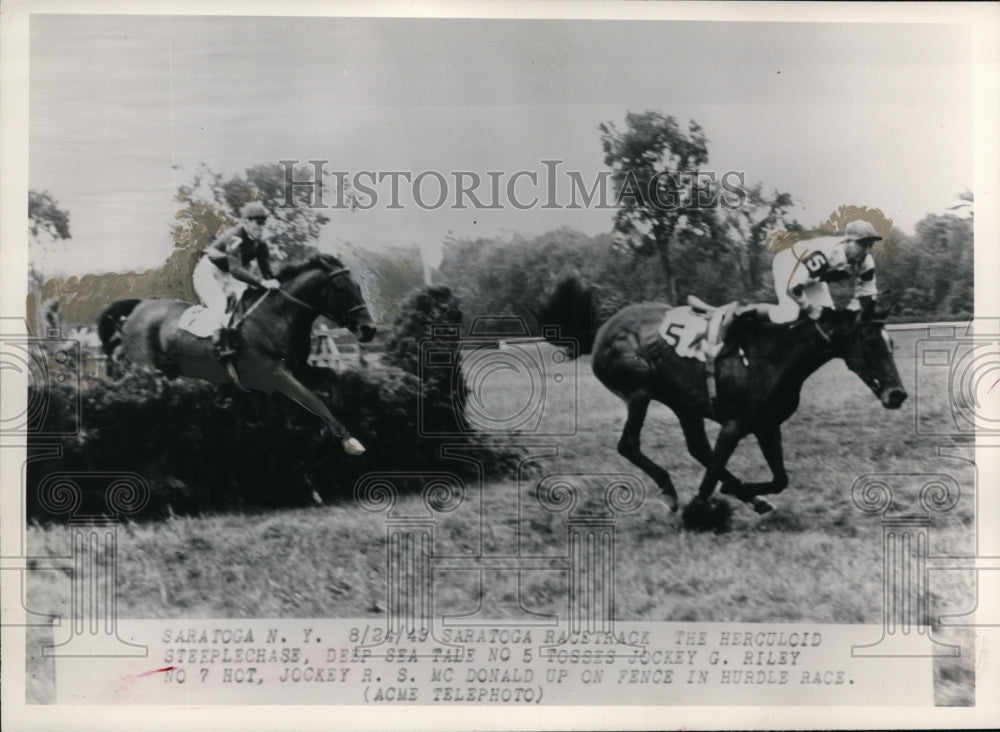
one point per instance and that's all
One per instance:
(124, 108)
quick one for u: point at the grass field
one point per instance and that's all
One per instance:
(817, 557)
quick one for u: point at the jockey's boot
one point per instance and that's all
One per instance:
(224, 344)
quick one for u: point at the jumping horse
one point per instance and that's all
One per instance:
(759, 375)
(274, 334)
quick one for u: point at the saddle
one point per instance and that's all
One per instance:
(719, 320)
(201, 322)
(698, 330)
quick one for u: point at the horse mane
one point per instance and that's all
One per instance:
(747, 326)
(326, 262)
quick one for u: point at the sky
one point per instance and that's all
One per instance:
(123, 109)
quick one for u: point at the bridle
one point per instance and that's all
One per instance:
(826, 336)
(832, 345)
(331, 276)
(858, 323)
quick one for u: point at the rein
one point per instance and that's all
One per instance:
(829, 339)
(819, 329)
(297, 301)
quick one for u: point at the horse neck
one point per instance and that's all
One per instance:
(795, 354)
(305, 288)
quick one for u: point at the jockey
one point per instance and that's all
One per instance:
(802, 271)
(224, 273)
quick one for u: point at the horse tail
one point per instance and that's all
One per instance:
(109, 323)
(571, 307)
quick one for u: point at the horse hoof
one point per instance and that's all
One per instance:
(712, 514)
(761, 506)
(671, 502)
(352, 446)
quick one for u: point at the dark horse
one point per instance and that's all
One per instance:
(274, 335)
(760, 373)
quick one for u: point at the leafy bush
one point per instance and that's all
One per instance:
(202, 447)
(428, 315)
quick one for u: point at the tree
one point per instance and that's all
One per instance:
(47, 223)
(386, 277)
(211, 203)
(45, 218)
(443, 388)
(207, 204)
(748, 227)
(654, 169)
(967, 200)
(931, 274)
(496, 277)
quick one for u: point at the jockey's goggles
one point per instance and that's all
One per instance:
(258, 219)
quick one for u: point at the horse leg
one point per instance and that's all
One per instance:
(701, 450)
(769, 439)
(628, 447)
(292, 388)
(729, 437)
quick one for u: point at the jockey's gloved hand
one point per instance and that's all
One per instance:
(270, 284)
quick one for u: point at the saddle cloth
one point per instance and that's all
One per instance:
(200, 321)
(693, 335)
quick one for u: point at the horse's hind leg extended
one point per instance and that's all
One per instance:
(628, 447)
(292, 388)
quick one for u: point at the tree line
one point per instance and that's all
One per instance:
(929, 274)
(663, 242)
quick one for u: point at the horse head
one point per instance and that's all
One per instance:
(327, 286)
(859, 337)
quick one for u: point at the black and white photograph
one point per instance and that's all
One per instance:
(515, 365)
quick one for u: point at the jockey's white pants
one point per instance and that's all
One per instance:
(789, 272)
(213, 287)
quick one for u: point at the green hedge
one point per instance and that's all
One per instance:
(203, 447)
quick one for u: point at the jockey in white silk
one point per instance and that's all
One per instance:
(802, 271)
(224, 272)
